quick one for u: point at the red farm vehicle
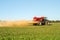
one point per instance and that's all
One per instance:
(40, 20)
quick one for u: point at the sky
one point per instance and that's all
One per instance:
(27, 9)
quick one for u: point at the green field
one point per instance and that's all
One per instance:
(47, 32)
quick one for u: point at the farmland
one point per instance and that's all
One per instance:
(46, 32)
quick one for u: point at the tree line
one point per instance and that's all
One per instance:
(54, 21)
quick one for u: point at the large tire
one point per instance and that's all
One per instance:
(43, 23)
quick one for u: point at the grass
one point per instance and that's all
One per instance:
(47, 32)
